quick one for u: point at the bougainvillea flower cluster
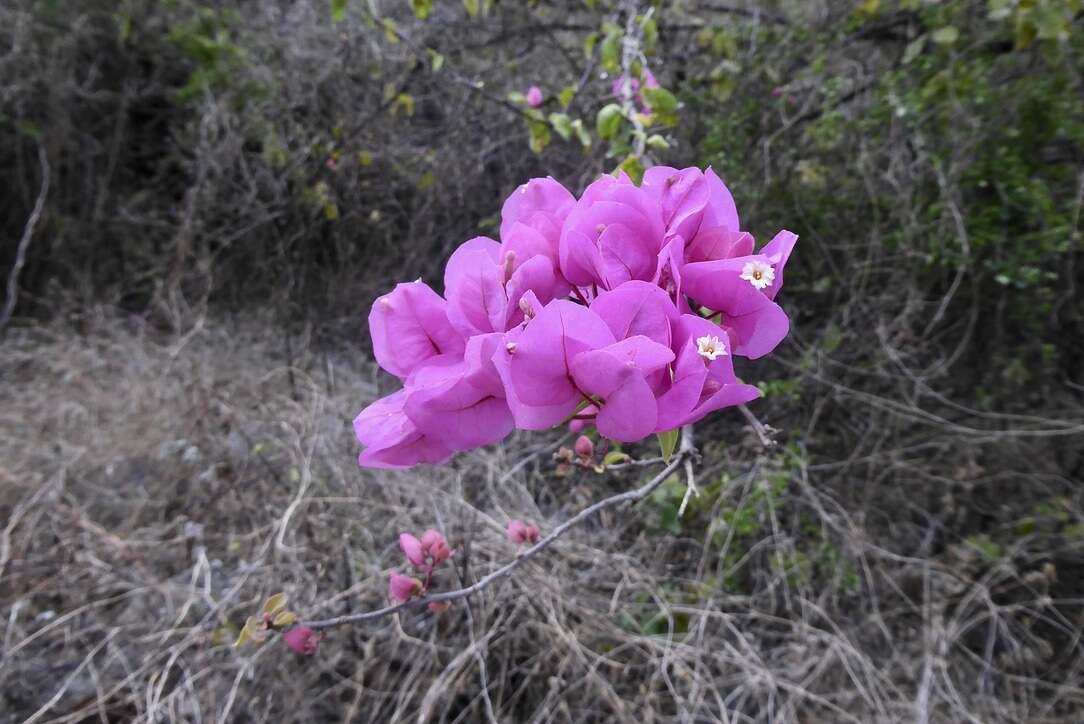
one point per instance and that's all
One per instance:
(424, 554)
(623, 309)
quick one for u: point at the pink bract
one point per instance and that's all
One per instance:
(621, 310)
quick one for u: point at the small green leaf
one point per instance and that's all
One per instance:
(284, 619)
(391, 31)
(562, 124)
(945, 36)
(472, 7)
(589, 44)
(611, 51)
(338, 11)
(650, 34)
(615, 457)
(566, 95)
(668, 443)
(661, 100)
(540, 136)
(275, 604)
(914, 49)
(436, 59)
(657, 142)
(581, 133)
(634, 167)
(609, 120)
(421, 8)
(406, 102)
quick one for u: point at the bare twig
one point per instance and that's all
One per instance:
(688, 452)
(628, 496)
(764, 432)
(24, 242)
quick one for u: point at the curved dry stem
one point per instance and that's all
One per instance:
(685, 453)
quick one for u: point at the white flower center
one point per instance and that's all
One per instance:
(710, 348)
(758, 273)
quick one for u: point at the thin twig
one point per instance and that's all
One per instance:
(24, 242)
(764, 432)
(628, 496)
(688, 451)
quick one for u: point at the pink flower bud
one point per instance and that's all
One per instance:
(517, 531)
(435, 546)
(585, 448)
(440, 606)
(403, 588)
(412, 548)
(301, 639)
(520, 532)
(534, 96)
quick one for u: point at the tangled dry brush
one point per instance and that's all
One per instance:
(153, 497)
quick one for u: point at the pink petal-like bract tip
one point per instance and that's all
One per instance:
(302, 640)
(403, 588)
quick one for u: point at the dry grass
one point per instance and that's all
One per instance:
(155, 490)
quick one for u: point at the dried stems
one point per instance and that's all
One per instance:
(24, 242)
(683, 457)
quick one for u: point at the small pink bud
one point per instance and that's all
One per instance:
(517, 531)
(403, 588)
(440, 552)
(440, 606)
(585, 448)
(435, 546)
(520, 532)
(777, 91)
(412, 548)
(534, 96)
(301, 639)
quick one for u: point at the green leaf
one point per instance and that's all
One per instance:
(945, 36)
(562, 124)
(581, 133)
(391, 31)
(406, 102)
(436, 59)
(914, 49)
(421, 8)
(611, 51)
(650, 31)
(472, 7)
(338, 11)
(668, 443)
(540, 136)
(634, 167)
(657, 142)
(615, 457)
(589, 44)
(661, 100)
(609, 120)
(284, 619)
(566, 95)
(275, 604)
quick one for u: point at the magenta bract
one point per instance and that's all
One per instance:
(622, 310)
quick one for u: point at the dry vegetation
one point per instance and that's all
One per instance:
(230, 188)
(156, 489)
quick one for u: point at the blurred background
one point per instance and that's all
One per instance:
(201, 200)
